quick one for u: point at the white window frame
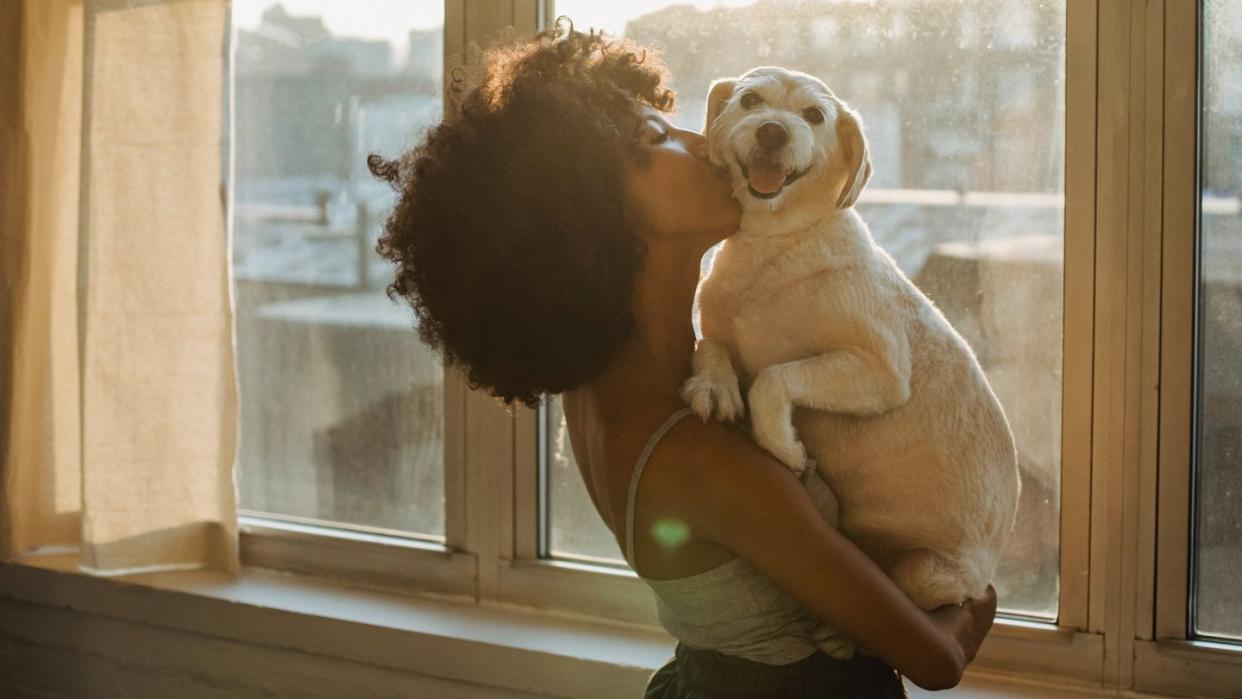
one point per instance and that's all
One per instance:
(1131, 209)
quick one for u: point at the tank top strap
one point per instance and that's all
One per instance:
(638, 472)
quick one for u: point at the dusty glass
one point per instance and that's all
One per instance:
(964, 107)
(341, 405)
(1218, 512)
(576, 531)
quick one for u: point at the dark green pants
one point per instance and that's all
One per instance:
(705, 674)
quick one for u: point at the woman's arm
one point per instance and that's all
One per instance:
(744, 499)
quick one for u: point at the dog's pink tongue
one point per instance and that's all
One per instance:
(766, 179)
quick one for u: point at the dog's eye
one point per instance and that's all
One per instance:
(751, 100)
(813, 114)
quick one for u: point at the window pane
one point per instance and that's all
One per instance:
(341, 405)
(1218, 534)
(964, 106)
(576, 530)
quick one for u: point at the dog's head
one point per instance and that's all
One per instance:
(786, 139)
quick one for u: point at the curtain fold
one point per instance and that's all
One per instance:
(122, 408)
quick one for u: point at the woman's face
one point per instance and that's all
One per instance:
(678, 193)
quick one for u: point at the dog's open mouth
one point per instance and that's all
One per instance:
(767, 180)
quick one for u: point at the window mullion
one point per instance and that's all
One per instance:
(1149, 229)
(1127, 304)
(526, 495)
(455, 391)
(488, 486)
(1080, 201)
(1179, 217)
(455, 432)
(491, 441)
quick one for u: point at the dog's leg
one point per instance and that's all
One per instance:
(713, 388)
(841, 381)
(930, 579)
(771, 422)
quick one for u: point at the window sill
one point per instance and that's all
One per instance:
(1211, 669)
(500, 646)
(492, 645)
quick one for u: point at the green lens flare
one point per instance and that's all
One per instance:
(671, 533)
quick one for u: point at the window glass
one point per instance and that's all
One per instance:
(1218, 517)
(341, 404)
(576, 530)
(964, 106)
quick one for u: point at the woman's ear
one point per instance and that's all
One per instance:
(857, 159)
(717, 96)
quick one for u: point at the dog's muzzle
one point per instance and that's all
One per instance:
(766, 180)
(771, 135)
(766, 177)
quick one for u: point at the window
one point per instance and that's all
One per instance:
(983, 238)
(342, 418)
(1218, 448)
(1036, 174)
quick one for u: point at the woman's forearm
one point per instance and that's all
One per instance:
(855, 595)
(751, 504)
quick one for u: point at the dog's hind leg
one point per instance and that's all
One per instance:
(930, 579)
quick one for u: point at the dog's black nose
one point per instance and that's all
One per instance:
(772, 135)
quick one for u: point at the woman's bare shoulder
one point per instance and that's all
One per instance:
(718, 478)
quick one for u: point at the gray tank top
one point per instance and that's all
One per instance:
(733, 608)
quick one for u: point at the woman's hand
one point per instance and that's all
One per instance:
(737, 495)
(967, 624)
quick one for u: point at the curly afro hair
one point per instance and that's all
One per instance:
(510, 235)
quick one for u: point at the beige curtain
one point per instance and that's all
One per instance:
(117, 390)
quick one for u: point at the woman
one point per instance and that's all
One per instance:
(549, 240)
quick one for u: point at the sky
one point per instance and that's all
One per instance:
(371, 19)
(611, 15)
(391, 19)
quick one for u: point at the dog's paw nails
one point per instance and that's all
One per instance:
(697, 397)
(701, 404)
(729, 405)
(710, 397)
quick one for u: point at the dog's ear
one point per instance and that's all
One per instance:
(717, 95)
(853, 144)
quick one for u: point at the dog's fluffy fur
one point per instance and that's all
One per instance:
(803, 312)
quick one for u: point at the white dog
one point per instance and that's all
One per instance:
(806, 312)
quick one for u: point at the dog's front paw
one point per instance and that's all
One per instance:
(785, 447)
(772, 427)
(709, 393)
